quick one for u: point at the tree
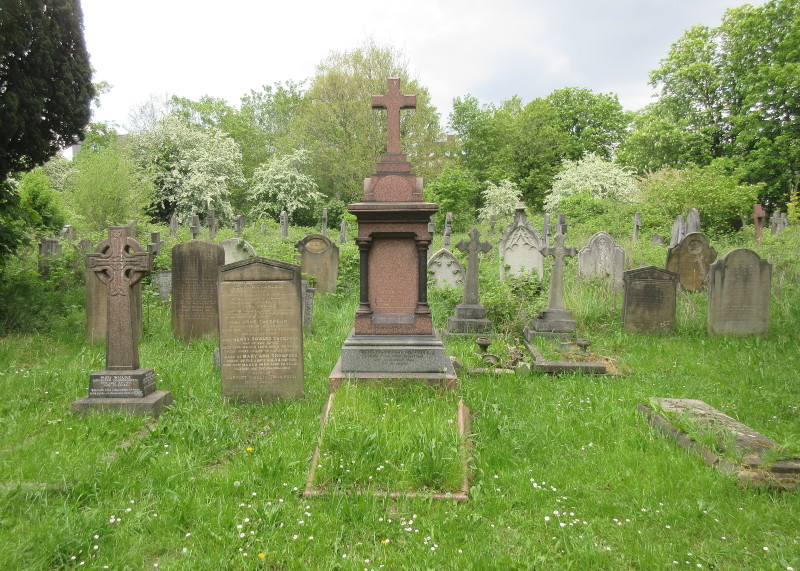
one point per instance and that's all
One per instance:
(194, 169)
(457, 190)
(281, 184)
(345, 136)
(45, 94)
(601, 178)
(500, 199)
(43, 204)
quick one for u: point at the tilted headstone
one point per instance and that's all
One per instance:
(49, 248)
(194, 288)
(237, 250)
(238, 225)
(637, 223)
(693, 221)
(555, 320)
(445, 269)
(649, 300)
(520, 248)
(758, 216)
(319, 257)
(68, 233)
(156, 243)
(120, 262)
(213, 224)
(546, 230)
(601, 258)
(284, 224)
(194, 226)
(690, 260)
(678, 231)
(470, 315)
(324, 226)
(343, 231)
(738, 294)
(260, 330)
(173, 225)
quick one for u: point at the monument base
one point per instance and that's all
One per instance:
(153, 404)
(551, 323)
(468, 319)
(125, 383)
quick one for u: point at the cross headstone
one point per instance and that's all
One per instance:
(324, 230)
(213, 225)
(156, 243)
(173, 225)
(546, 230)
(284, 224)
(470, 316)
(758, 219)
(194, 226)
(555, 320)
(238, 225)
(343, 231)
(637, 223)
(393, 102)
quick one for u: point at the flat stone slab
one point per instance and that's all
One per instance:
(464, 430)
(153, 404)
(448, 380)
(542, 365)
(734, 438)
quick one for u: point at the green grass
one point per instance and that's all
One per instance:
(566, 473)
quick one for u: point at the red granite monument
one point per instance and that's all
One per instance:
(393, 335)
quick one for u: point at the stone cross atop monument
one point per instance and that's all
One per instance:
(559, 252)
(120, 263)
(472, 248)
(393, 102)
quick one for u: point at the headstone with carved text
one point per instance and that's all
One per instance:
(602, 259)
(738, 294)
(649, 300)
(690, 259)
(194, 288)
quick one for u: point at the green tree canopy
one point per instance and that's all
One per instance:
(283, 184)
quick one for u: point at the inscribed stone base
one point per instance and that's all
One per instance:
(153, 404)
(130, 383)
(551, 323)
(542, 365)
(468, 319)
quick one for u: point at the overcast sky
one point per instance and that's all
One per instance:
(492, 49)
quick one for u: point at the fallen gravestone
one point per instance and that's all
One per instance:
(602, 259)
(470, 315)
(319, 257)
(738, 294)
(690, 259)
(649, 300)
(520, 248)
(236, 250)
(445, 269)
(120, 262)
(194, 288)
(260, 330)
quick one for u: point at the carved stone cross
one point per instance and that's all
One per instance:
(194, 226)
(393, 102)
(120, 263)
(472, 248)
(758, 216)
(555, 299)
(156, 243)
(213, 225)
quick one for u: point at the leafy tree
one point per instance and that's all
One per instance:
(500, 199)
(345, 136)
(455, 190)
(603, 179)
(271, 111)
(46, 90)
(42, 203)
(281, 184)
(194, 169)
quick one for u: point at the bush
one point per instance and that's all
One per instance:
(500, 199)
(458, 191)
(601, 179)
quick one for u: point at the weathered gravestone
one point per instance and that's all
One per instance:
(307, 296)
(470, 315)
(213, 224)
(162, 280)
(260, 330)
(120, 262)
(520, 248)
(68, 233)
(284, 224)
(637, 223)
(194, 288)
(650, 300)
(343, 231)
(658, 239)
(194, 226)
(561, 226)
(445, 269)
(49, 248)
(546, 230)
(448, 230)
(173, 225)
(602, 258)
(324, 225)
(237, 250)
(690, 260)
(393, 335)
(692, 221)
(492, 222)
(738, 294)
(319, 257)
(678, 231)
(555, 321)
(238, 225)
(758, 216)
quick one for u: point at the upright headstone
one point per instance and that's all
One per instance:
(432, 224)
(602, 258)
(637, 223)
(68, 233)
(546, 230)
(120, 262)
(658, 239)
(156, 243)
(758, 216)
(492, 222)
(238, 225)
(393, 335)
(555, 320)
(448, 230)
(445, 269)
(520, 248)
(263, 228)
(690, 260)
(49, 248)
(173, 225)
(132, 230)
(194, 288)
(738, 294)
(470, 315)
(784, 220)
(260, 330)
(693, 221)
(324, 226)
(284, 224)
(649, 300)
(774, 222)
(307, 296)
(343, 231)
(237, 250)
(85, 245)
(213, 224)
(319, 257)
(561, 227)
(194, 226)
(678, 231)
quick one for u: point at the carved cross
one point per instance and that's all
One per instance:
(472, 248)
(156, 243)
(393, 102)
(194, 226)
(758, 219)
(559, 252)
(213, 225)
(120, 263)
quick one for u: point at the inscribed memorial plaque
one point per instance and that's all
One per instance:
(194, 288)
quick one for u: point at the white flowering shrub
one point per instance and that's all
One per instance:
(500, 199)
(281, 184)
(603, 179)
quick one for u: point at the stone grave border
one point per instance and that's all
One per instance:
(465, 448)
(781, 479)
(542, 365)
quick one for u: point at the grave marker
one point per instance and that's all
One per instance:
(324, 230)
(649, 300)
(284, 224)
(758, 216)
(520, 248)
(238, 225)
(194, 226)
(68, 233)
(692, 221)
(237, 250)
(213, 224)
(343, 231)
(690, 260)
(173, 225)
(319, 257)
(561, 226)
(637, 223)
(445, 269)
(49, 248)
(470, 315)
(602, 258)
(738, 294)
(555, 321)
(194, 288)
(156, 243)
(678, 231)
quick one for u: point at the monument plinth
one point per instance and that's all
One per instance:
(393, 335)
